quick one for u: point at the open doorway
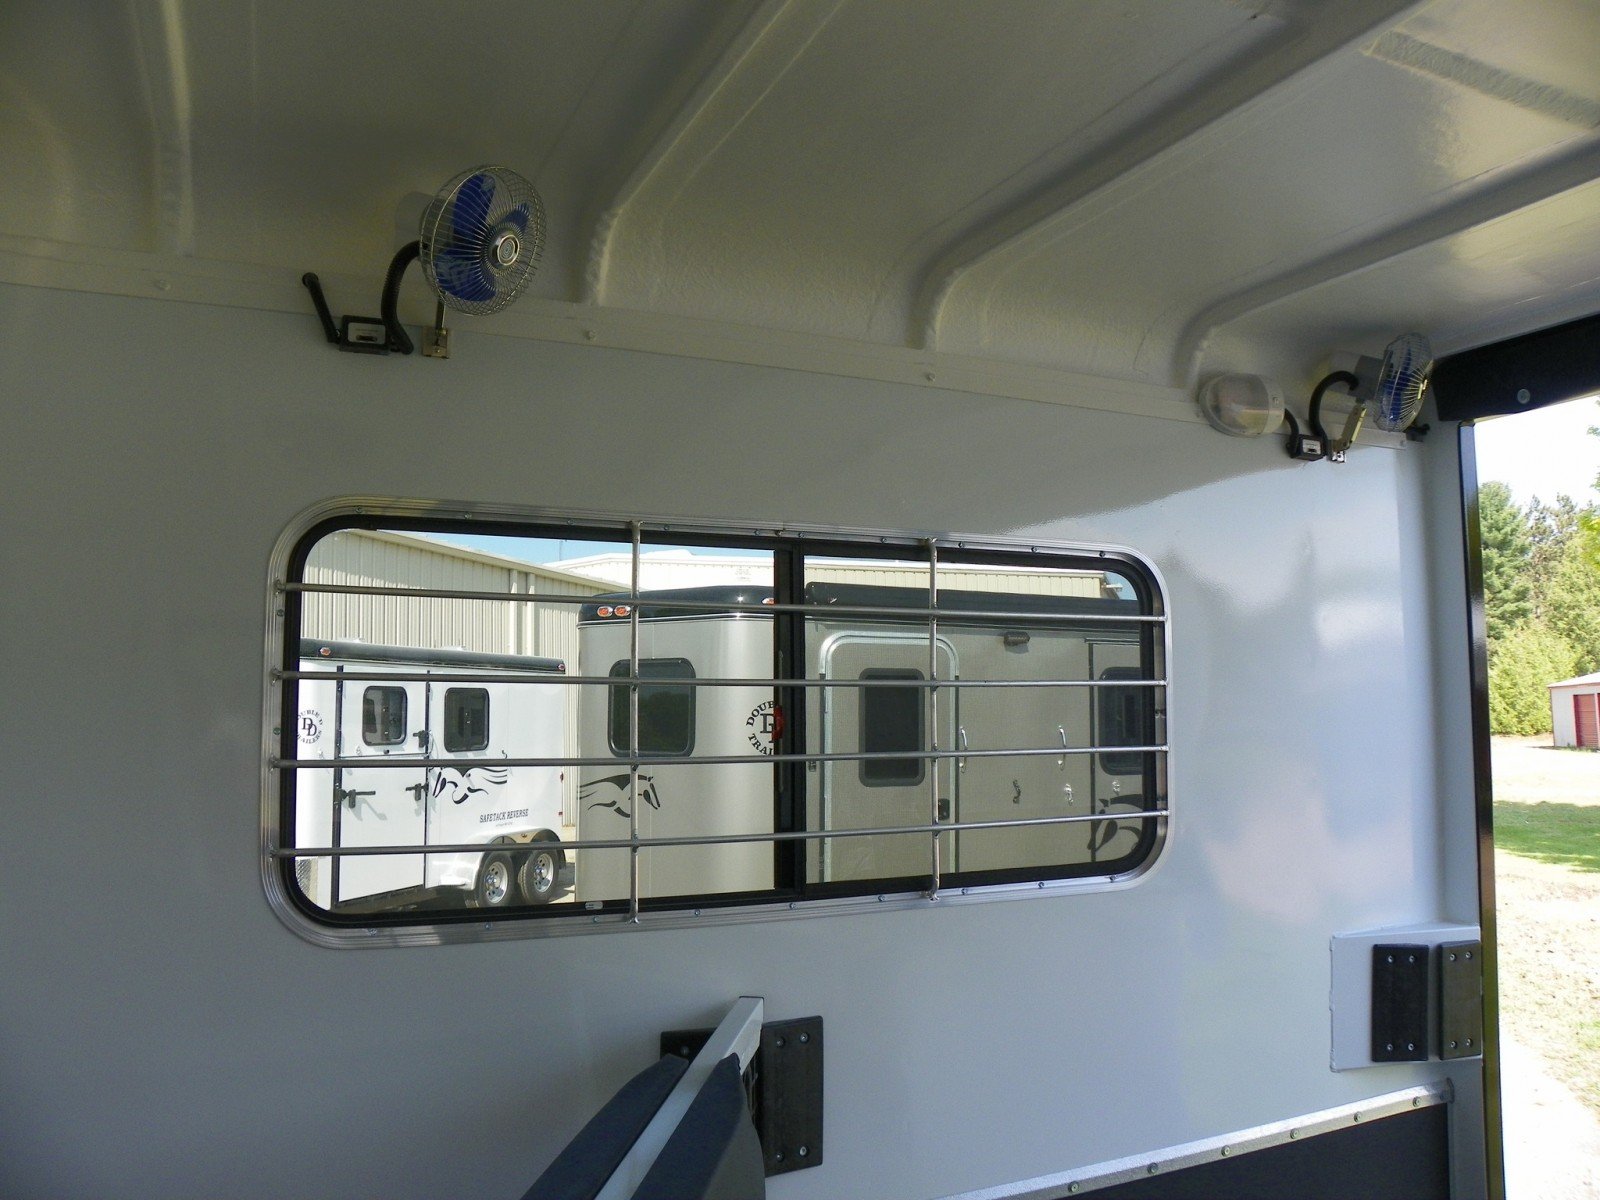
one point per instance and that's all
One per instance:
(1539, 525)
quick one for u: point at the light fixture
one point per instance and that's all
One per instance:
(1241, 405)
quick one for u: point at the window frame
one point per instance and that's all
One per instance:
(450, 693)
(872, 696)
(367, 730)
(663, 682)
(790, 897)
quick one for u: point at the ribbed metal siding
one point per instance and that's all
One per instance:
(955, 577)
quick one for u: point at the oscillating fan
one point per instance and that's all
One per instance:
(480, 242)
(1390, 390)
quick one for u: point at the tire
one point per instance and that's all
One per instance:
(495, 887)
(539, 874)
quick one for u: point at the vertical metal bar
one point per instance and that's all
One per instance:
(934, 764)
(338, 779)
(1483, 800)
(633, 731)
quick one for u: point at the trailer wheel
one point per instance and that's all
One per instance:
(539, 872)
(493, 889)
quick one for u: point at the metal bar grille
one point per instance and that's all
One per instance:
(687, 607)
(398, 764)
(1125, 628)
(725, 839)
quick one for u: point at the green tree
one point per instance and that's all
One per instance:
(1551, 530)
(1571, 602)
(1507, 553)
(1521, 664)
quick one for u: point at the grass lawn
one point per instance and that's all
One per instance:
(1567, 835)
(1547, 876)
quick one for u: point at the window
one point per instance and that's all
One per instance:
(383, 716)
(1124, 715)
(666, 711)
(816, 718)
(892, 721)
(466, 719)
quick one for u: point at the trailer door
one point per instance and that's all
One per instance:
(380, 805)
(1038, 785)
(882, 717)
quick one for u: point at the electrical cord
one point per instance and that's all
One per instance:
(1344, 377)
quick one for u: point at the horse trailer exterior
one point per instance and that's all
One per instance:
(365, 704)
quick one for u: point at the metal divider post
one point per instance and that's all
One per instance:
(934, 764)
(633, 731)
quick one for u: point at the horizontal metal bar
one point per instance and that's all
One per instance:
(957, 615)
(545, 677)
(709, 839)
(397, 763)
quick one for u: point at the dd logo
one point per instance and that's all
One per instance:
(310, 725)
(764, 724)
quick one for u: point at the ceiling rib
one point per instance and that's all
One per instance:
(1229, 98)
(1479, 206)
(764, 47)
(161, 51)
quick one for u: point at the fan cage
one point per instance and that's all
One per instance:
(475, 221)
(1402, 382)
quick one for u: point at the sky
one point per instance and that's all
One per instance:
(1543, 453)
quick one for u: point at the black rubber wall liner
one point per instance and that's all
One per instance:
(1538, 369)
(1403, 1157)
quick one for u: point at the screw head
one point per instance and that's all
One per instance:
(803, 1151)
(804, 1038)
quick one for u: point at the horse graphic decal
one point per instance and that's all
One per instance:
(620, 784)
(461, 786)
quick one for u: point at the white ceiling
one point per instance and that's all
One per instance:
(1136, 190)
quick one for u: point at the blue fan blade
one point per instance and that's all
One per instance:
(469, 219)
(461, 273)
(518, 216)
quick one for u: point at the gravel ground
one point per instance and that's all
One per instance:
(1549, 927)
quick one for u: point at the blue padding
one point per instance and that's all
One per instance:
(581, 1170)
(706, 1146)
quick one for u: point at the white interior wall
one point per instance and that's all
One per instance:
(164, 1034)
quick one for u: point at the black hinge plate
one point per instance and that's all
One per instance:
(1460, 999)
(1399, 1003)
(784, 1083)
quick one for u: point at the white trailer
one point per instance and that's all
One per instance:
(387, 713)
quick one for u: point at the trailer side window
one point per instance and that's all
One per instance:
(466, 719)
(383, 716)
(666, 710)
(689, 721)
(892, 720)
